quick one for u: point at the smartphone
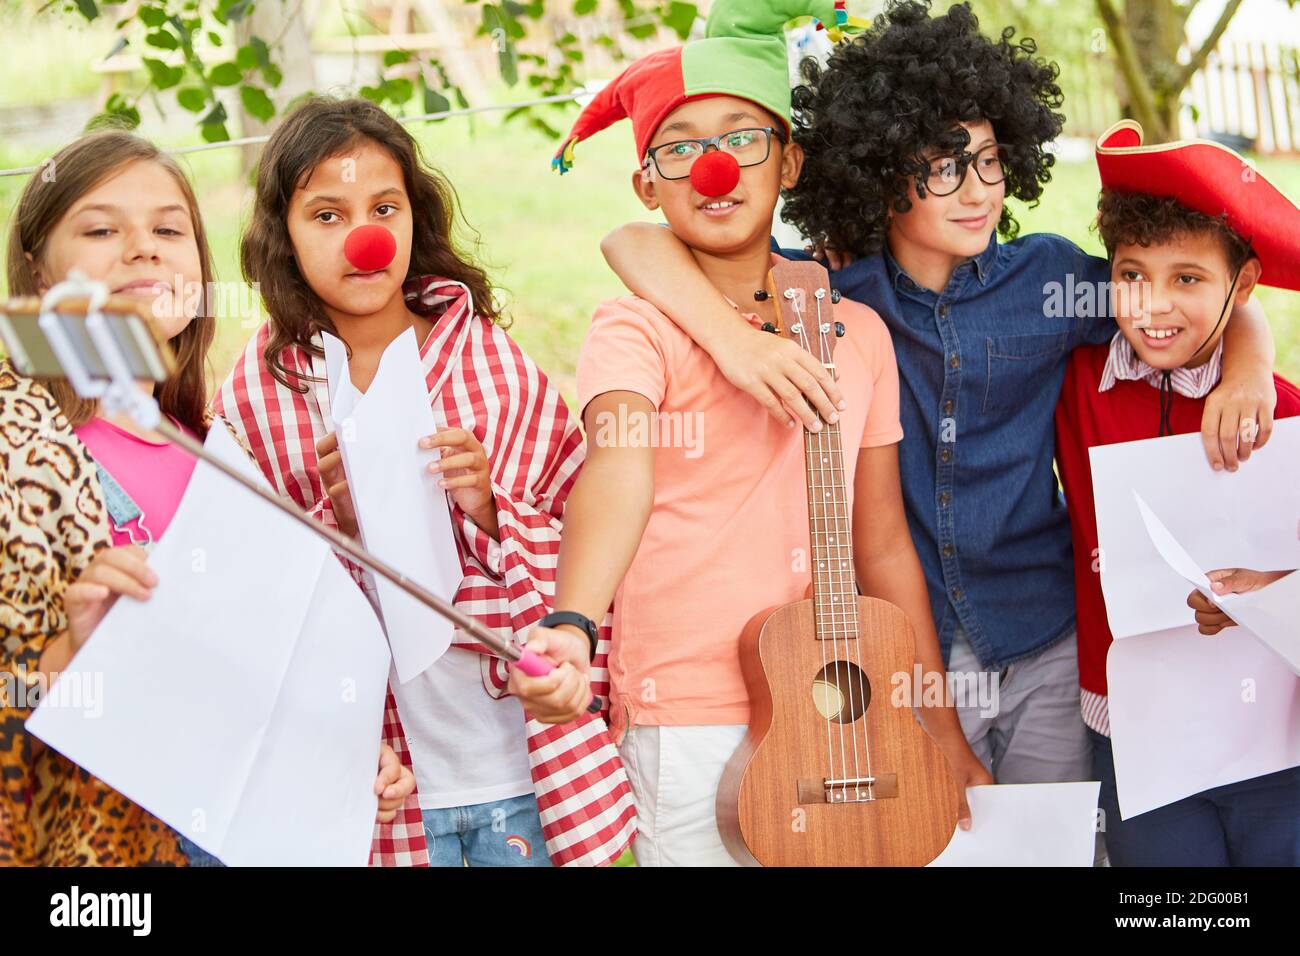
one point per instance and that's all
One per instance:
(147, 356)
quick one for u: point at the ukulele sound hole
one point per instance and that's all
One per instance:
(841, 692)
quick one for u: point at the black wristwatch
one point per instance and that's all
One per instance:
(586, 624)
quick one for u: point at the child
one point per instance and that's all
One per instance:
(489, 784)
(1187, 239)
(80, 490)
(690, 543)
(915, 132)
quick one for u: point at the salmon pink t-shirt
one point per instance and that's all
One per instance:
(154, 474)
(728, 534)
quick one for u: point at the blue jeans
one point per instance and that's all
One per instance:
(501, 833)
(196, 854)
(1252, 823)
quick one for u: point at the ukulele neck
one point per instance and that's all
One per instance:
(835, 593)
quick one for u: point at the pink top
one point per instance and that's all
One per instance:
(154, 474)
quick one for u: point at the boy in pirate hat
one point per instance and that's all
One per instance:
(690, 542)
(1190, 230)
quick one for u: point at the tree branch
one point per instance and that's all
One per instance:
(1184, 76)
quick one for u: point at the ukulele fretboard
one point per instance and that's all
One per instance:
(835, 604)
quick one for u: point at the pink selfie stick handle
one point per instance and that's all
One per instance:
(534, 665)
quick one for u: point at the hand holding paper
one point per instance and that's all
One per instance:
(256, 667)
(1190, 712)
(401, 513)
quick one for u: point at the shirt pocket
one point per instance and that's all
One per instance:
(1019, 367)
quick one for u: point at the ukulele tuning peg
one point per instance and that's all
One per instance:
(835, 295)
(839, 330)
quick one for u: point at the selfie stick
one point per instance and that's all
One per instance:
(121, 394)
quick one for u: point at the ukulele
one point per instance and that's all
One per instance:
(831, 773)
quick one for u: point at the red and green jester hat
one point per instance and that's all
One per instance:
(743, 54)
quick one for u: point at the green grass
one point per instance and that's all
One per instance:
(48, 58)
(540, 233)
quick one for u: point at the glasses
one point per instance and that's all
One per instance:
(749, 147)
(944, 175)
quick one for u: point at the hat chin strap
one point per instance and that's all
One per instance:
(1223, 313)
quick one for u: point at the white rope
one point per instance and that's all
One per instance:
(250, 140)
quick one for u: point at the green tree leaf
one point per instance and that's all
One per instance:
(257, 102)
(163, 76)
(214, 132)
(225, 74)
(192, 98)
(680, 17)
(435, 102)
(162, 39)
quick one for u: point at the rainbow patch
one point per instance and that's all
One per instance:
(520, 846)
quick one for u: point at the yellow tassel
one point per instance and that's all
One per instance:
(563, 161)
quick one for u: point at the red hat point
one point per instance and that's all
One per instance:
(715, 174)
(370, 248)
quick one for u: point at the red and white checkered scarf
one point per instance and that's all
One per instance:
(480, 380)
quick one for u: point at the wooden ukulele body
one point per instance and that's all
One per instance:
(773, 807)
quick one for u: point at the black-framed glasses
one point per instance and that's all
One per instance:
(749, 147)
(943, 175)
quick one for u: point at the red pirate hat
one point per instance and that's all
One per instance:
(1214, 180)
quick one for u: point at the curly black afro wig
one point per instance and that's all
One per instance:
(888, 95)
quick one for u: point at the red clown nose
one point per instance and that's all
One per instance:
(370, 248)
(715, 174)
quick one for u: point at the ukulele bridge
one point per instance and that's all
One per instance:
(848, 789)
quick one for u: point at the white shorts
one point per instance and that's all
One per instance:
(674, 772)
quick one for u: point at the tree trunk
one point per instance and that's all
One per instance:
(284, 26)
(1158, 30)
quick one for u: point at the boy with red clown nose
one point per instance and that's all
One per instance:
(1188, 237)
(691, 542)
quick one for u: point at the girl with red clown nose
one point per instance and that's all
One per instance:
(352, 235)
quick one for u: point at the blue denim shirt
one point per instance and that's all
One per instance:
(980, 370)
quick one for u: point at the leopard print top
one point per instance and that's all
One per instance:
(52, 522)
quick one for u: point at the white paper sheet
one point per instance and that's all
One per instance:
(1190, 712)
(403, 515)
(1272, 613)
(243, 703)
(1029, 824)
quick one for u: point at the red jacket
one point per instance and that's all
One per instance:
(1086, 417)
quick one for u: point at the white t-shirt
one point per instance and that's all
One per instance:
(467, 747)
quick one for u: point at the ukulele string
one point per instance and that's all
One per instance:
(813, 445)
(847, 578)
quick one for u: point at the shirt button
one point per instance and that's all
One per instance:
(943, 311)
(945, 455)
(947, 407)
(944, 498)
(956, 594)
(948, 550)
(954, 361)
